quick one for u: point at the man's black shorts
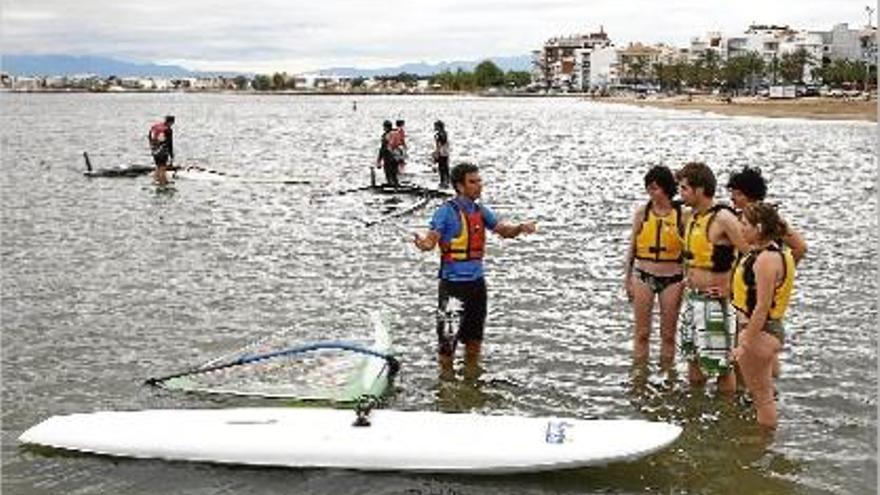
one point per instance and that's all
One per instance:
(160, 158)
(472, 295)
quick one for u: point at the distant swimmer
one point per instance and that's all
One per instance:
(711, 239)
(653, 267)
(441, 153)
(161, 141)
(459, 227)
(761, 287)
(386, 159)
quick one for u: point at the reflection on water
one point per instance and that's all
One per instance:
(107, 282)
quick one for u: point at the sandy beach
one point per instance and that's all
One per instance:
(807, 108)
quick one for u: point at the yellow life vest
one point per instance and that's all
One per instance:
(744, 292)
(660, 237)
(699, 251)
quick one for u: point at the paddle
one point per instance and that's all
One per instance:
(393, 363)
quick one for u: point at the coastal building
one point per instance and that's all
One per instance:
(55, 82)
(27, 83)
(853, 44)
(322, 81)
(634, 66)
(713, 43)
(669, 55)
(637, 62)
(135, 83)
(605, 68)
(564, 62)
(770, 42)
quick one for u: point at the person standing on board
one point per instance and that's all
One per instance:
(653, 264)
(161, 141)
(386, 159)
(441, 153)
(761, 288)
(459, 227)
(397, 143)
(712, 237)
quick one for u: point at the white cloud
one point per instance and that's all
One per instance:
(269, 35)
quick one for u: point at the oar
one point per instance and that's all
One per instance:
(392, 361)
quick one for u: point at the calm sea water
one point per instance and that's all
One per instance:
(107, 282)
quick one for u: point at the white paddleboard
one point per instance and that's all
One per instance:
(327, 438)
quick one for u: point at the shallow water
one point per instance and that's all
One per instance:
(107, 281)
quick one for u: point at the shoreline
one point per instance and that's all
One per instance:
(814, 108)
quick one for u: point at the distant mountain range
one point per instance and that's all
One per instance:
(69, 65)
(520, 63)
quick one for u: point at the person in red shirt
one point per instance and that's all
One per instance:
(162, 148)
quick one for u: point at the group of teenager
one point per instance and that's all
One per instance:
(393, 152)
(731, 267)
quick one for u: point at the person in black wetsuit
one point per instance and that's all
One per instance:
(441, 153)
(386, 158)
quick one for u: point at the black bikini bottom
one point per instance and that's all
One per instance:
(658, 283)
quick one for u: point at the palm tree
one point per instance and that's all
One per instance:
(753, 63)
(711, 67)
(637, 68)
(793, 64)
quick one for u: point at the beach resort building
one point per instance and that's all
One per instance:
(637, 62)
(853, 44)
(771, 42)
(564, 62)
(605, 68)
(632, 66)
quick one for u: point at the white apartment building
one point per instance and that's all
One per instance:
(772, 41)
(321, 81)
(854, 44)
(768, 41)
(564, 61)
(605, 67)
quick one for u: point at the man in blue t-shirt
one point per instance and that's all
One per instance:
(459, 227)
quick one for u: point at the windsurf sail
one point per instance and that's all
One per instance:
(331, 371)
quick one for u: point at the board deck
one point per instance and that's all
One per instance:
(327, 438)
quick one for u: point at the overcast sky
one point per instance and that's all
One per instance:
(274, 35)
